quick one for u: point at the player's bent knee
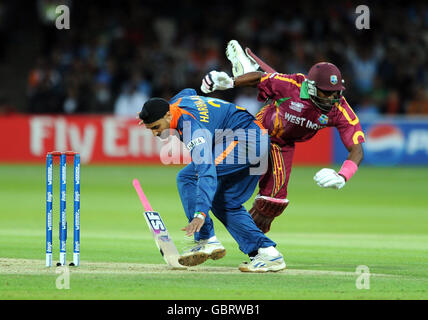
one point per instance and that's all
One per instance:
(185, 176)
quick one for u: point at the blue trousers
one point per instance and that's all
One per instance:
(233, 190)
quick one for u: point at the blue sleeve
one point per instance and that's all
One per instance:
(183, 93)
(198, 140)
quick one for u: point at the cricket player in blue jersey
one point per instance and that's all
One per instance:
(229, 150)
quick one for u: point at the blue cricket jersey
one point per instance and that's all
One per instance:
(220, 137)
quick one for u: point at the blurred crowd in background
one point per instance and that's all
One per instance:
(117, 54)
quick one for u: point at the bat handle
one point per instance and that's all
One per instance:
(141, 195)
(263, 65)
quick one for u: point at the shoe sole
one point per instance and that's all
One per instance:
(217, 254)
(193, 260)
(233, 49)
(263, 270)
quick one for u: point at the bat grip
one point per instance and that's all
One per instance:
(263, 65)
(142, 196)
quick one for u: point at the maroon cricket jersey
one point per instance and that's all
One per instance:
(292, 117)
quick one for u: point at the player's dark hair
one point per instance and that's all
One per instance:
(153, 110)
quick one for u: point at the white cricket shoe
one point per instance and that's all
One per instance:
(264, 262)
(201, 251)
(241, 62)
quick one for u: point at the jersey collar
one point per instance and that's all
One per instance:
(304, 90)
(176, 113)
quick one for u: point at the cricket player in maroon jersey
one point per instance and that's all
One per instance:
(296, 107)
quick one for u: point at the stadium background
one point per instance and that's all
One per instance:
(117, 54)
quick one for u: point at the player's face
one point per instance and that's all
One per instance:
(160, 128)
(328, 94)
(325, 100)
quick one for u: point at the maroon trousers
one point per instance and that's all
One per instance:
(274, 182)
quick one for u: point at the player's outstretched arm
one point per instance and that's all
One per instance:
(250, 79)
(245, 66)
(356, 154)
(329, 178)
(216, 80)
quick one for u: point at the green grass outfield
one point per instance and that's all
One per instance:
(379, 220)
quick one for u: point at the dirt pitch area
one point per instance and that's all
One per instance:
(34, 266)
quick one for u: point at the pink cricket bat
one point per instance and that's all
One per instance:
(263, 65)
(162, 238)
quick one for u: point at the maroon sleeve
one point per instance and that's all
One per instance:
(277, 85)
(348, 125)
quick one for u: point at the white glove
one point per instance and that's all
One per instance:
(215, 80)
(328, 178)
